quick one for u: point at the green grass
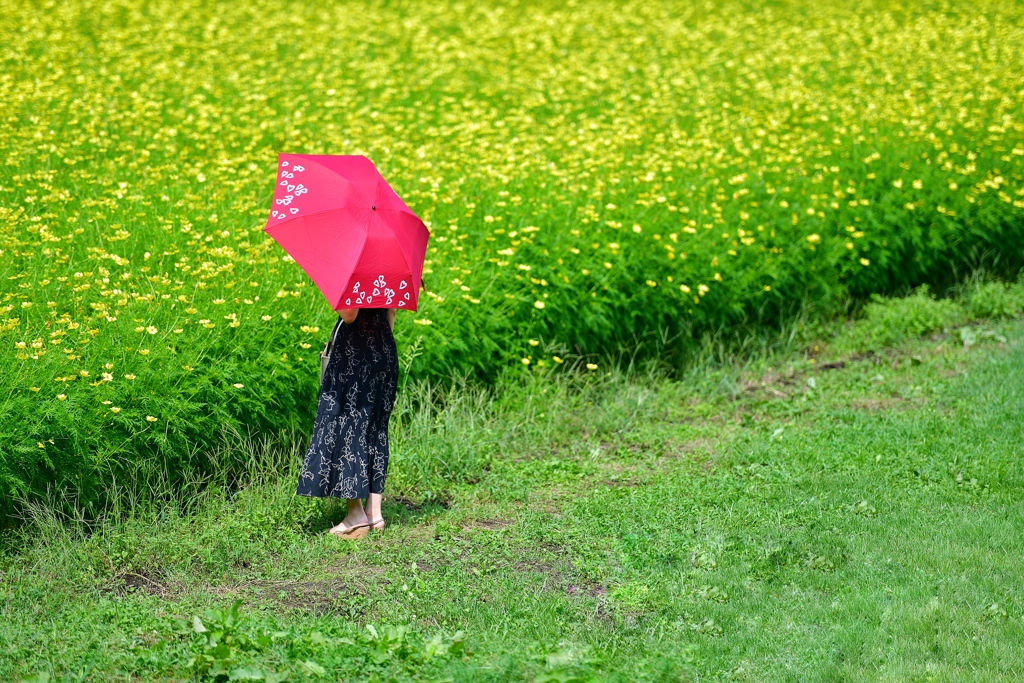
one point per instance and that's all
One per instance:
(794, 522)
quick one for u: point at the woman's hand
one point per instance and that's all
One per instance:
(348, 315)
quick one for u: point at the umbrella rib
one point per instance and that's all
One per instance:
(382, 186)
(359, 257)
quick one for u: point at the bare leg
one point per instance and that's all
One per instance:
(373, 507)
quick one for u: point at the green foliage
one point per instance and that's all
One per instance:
(996, 300)
(639, 197)
(224, 647)
(890, 321)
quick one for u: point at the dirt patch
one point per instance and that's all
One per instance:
(627, 483)
(771, 385)
(149, 583)
(335, 589)
(690, 448)
(882, 404)
(490, 524)
(594, 590)
(555, 579)
(321, 598)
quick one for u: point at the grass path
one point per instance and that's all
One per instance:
(861, 523)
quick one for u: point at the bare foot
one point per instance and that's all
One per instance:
(355, 524)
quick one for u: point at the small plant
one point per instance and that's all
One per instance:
(222, 644)
(889, 321)
(224, 647)
(995, 300)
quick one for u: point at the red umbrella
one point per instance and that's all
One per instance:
(351, 233)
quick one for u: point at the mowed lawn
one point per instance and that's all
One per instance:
(860, 523)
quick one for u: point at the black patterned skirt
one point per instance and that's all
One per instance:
(348, 453)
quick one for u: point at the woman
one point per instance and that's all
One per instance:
(348, 453)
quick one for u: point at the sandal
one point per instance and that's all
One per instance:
(378, 525)
(352, 532)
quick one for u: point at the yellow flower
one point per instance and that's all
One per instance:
(814, 238)
(767, 288)
(33, 388)
(524, 361)
(423, 321)
(150, 418)
(591, 366)
(61, 397)
(115, 410)
(538, 304)
(534, 342)
(238, 385)
(264, 318)
(865, 262)
(918, 184)
(557, 359)
(151, 329)
(684, 289)
(637, 228)
(129, 376)
(143, 352)
(191, 311)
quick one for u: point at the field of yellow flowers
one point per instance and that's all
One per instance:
(593, 173)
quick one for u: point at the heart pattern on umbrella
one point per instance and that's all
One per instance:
(317, 215)
(295, 190)
(380, 290)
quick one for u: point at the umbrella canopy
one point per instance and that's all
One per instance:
(351, 233)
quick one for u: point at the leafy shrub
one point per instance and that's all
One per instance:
(996, 300)
(222, 646)
(890, 321)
